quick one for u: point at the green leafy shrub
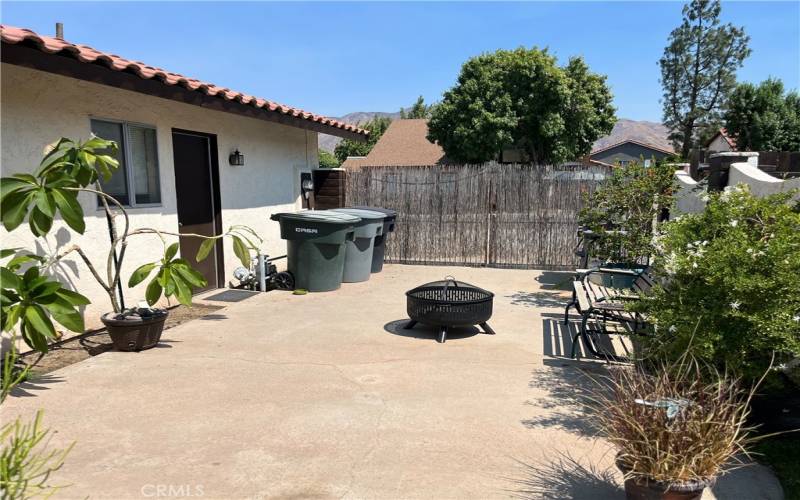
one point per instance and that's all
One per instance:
(732, 284)
(28, 300)
(26, 461)
(624, 209)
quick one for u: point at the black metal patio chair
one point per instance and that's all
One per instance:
(595, 296)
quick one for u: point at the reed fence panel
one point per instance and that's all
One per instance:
(497, 215)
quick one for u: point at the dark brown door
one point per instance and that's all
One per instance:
(196, 175)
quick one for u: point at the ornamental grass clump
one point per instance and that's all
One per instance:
(672, 425)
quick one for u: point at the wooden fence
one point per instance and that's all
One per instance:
(780, 164)
(496, 215)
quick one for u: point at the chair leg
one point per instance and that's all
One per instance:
(442, 334)
(566, 311)
(409, 325)
(580, 333)
(574, 344)
(487, 329)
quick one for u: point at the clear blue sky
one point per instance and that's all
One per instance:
(334, 58)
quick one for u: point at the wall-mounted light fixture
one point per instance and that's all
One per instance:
(236, 159)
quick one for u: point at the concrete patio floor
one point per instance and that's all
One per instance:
(325, 395)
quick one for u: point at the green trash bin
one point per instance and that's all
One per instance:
(358, 256)
(379, 253)
(315, 247)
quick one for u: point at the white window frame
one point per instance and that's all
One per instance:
(128, 170)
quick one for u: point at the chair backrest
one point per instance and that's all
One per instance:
(643, 283)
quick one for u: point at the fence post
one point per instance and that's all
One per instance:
(488, 220)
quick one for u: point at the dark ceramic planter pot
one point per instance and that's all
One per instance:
(135, 333)
(656, 490)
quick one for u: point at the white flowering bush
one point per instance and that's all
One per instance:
(731, 284)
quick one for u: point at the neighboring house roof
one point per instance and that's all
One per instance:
(724, 134)
(85, 54)
(354, 162)
(601, 163)
(404, 144)
(643, 144)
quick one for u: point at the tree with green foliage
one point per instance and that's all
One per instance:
(522, 99)
(327, 160)
(418, 110)
(622, 209)
(698, 71)
(377, 126)
(764, 117)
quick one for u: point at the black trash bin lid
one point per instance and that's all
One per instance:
(365, 214)
(388, 212)
(319, 216)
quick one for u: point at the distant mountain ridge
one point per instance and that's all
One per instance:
(652, 133)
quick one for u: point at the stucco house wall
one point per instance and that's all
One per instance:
(38, 108)
(627, 152)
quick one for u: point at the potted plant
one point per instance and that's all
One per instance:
(31, 301)
(675, 432)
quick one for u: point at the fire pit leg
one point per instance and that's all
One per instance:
(442, 334)
(487, 329)
(410, 325)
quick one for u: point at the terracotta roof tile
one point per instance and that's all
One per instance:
(727, 137)
(86, 54)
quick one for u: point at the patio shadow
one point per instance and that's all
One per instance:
(214, 317)
(36, 382)
(557, 339)
(556, 280)
(93, 346)
(538, 299)
(427, 332)
(565, 477)
(569, 387)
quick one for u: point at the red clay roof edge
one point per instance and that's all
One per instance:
(86, 54)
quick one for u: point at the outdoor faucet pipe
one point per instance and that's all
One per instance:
(262, 273)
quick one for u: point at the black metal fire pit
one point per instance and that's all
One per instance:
(449, 303)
